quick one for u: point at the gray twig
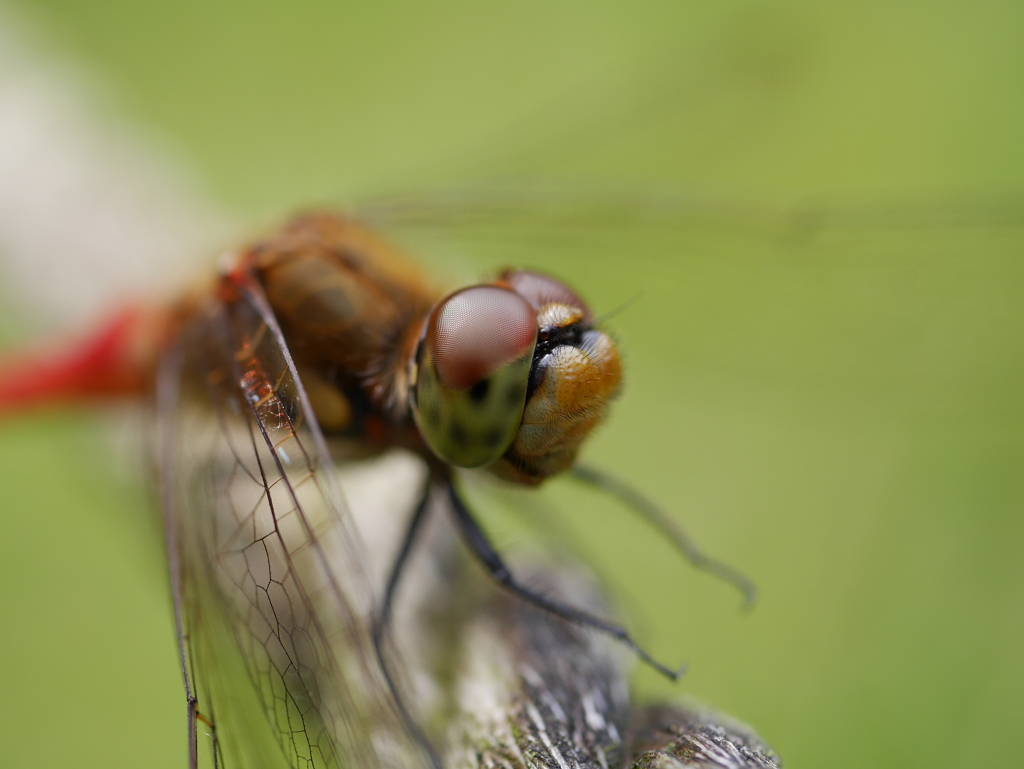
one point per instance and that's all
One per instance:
(513, 687)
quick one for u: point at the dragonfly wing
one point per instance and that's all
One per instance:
(562, 210)
(639, 234)
(273, 599)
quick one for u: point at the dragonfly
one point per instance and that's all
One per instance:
(309, 345)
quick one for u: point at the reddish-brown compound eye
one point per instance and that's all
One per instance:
(473, 374)
(476, 331)
(540, 290)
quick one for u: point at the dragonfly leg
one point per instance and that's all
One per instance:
(668, 528)
(481, 547)
(383, 617)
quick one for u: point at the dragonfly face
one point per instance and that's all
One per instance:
(512, 374)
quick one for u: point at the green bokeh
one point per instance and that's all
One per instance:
(838, 413)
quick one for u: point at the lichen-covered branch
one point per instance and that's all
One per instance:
(502, 684)
(560, 699)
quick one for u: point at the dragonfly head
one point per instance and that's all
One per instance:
(512, 375)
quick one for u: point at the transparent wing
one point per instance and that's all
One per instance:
(575, 230)
(564, 209)
(269, 582)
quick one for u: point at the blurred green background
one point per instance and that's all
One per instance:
(838, 413)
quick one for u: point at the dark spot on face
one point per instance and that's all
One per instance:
(513, 397)
(492, 438)
(478, 392)
(433, 415)
(459, 437)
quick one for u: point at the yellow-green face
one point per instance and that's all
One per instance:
(512, 374)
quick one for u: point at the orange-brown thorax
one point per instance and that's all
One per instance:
(349, 306)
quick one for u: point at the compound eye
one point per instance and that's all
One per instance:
(477, 330)
(472, 379)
